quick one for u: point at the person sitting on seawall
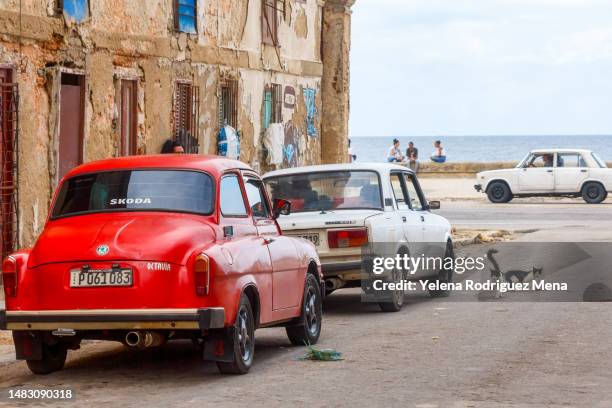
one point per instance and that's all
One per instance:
(352, 157)
(172, 146)
(438, 155)
(395, 154)
(412, 153)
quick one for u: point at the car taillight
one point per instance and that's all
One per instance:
(201, 269)
(347, 238)
(9, 276)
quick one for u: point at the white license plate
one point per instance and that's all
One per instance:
(314, 238)
(100, 277)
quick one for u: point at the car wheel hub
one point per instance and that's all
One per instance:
(244, 335)
(312, 320)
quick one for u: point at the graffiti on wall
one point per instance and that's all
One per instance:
(289, 97)
(292, 145)
(311, 111)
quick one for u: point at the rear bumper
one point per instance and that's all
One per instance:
(109, 319)
(334, 268)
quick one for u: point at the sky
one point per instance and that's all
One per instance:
(481, 67)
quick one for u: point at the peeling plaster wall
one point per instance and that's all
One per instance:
(136, 40)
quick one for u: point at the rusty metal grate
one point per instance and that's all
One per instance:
(277, 103)
(9, 130)
(185, 114)
(228, 103)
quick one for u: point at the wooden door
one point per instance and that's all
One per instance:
(71, 122)
(9, 111)
(129, 117)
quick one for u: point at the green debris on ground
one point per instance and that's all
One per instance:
(321, 355)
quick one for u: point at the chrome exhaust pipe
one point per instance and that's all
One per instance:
(142, 340)
(134, 339)
(334, 283)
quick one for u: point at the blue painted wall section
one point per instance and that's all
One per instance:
(76, 10)
(187, 16)
(311, 111)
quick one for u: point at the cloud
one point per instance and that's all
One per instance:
(476, 67)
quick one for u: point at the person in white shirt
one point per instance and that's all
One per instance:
(395, 154)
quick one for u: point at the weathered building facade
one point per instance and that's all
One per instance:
(83, 80)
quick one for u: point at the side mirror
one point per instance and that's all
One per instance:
(281, 207)
(434, 205)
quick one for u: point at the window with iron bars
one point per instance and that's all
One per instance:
(269, 20)
(9, 136)
(186, 16)
(273, 104)
(228, 103)
(186, 111)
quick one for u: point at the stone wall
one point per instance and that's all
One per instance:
(136, 40)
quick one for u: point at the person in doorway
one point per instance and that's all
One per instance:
(172, 146)
(438, 155)
(352, 157)
(395, 154)
(412, 153)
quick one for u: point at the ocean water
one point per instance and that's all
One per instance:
(479, 148)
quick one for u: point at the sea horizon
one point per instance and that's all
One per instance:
(493, 135)
(480, 148)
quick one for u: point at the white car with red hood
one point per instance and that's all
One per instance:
(341, 208)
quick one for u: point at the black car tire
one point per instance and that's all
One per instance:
(243, 338)
(396, 301)
(309, 329)
(446, 274)
(498, 192)
(53, 359)
(593, 193)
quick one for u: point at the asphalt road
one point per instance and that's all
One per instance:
(555, 219)
(433, 353)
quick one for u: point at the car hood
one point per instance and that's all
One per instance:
(494, 173)
(165, 237)
(329, 219)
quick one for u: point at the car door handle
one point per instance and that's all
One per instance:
(268, 241)
(422, 218)
(404, 219)
(583, 171)
(549, 171)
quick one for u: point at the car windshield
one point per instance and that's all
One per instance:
(599, 161)
(346, 190)
(522, 164)
(136, 190)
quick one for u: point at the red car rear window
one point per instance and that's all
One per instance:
(136, 190)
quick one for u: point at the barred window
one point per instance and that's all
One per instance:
(228, 103)
(273, 105)
(185, 113)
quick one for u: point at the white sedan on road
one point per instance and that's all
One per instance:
(343, 207)
(550, 172)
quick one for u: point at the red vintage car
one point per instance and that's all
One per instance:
(148, 249)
